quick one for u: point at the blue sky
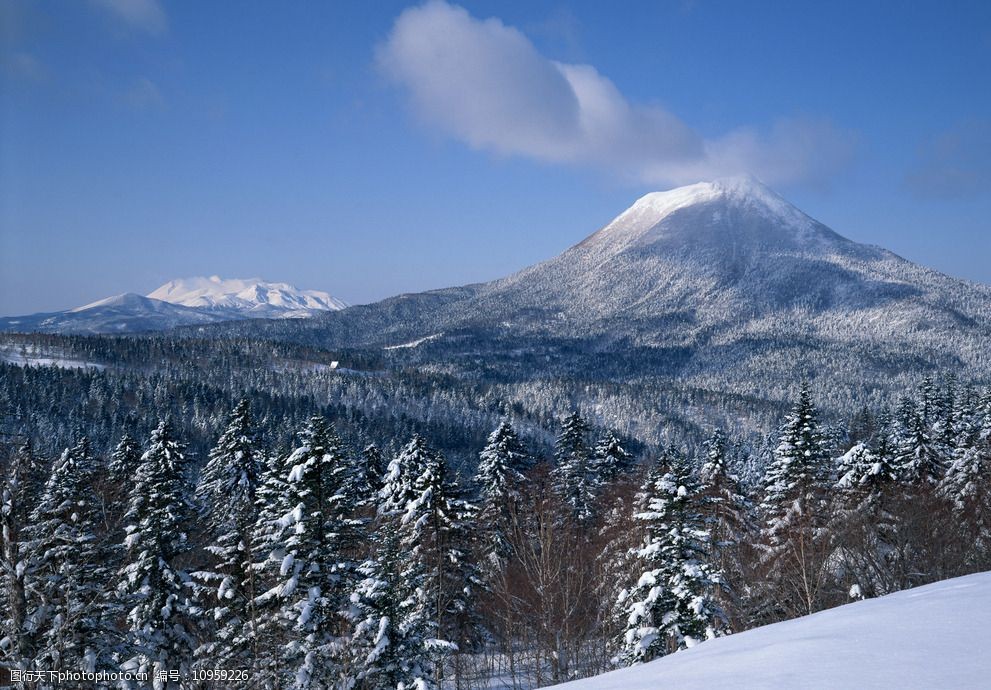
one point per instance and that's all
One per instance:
(369, 149)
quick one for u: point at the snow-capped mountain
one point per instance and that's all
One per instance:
(187, 302)
(714, 282)
(254, 296)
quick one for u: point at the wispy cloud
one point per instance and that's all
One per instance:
(24, 66)
(956, 164)
(486, 84)
(143, 93)
(140, 15)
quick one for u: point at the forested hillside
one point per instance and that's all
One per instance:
(315, 563)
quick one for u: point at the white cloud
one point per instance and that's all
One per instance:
(142, 15)
(486, 84)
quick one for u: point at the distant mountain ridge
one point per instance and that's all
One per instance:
(182, 302)
(722, 285)
(255, 296)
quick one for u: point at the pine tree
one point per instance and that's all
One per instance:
(368, 476)
(855, 467)
(315, 574)
(272, 503)
(672, 604)
(436, 533)
(610, 460)
(21, 483)
(70, 573)
(795, 512)
(918, 458)
(967, 478)
(397, 486)
(388, 648)
(155, 586)
(725, 509)
(499, 477)
(228, 495)
(124, 460)
(397, 604)
(573, 480)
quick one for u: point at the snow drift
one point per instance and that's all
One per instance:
(929, 637)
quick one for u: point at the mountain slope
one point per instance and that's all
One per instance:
(127, 313)
(727, 273)
(929, 637)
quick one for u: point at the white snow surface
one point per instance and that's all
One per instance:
(36, 358)
(249, 295)
(934, 636)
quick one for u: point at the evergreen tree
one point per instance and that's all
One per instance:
(859, 469)
(368, 476)
(725, 509)
(795, 512)
(228, 494)
(124, 460)
(272, 503)
(918, 458)
(672, 604)
(499, 477)
(315, 573)
(436, 533)
(400, 601)
(70, 573)
(572, 477)
(967, 478)
(389, 646)
(397, 486)
(21, 483)
(610, 460)
(155, 586)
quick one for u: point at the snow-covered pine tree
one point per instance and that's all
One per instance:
(969, 474)
(726, 512)
(437, 534)
(723, 499)
(572, 478)
(671, 605)
(272, 503)
(227, 492)
(155, 587)
(71, 569)
(124, 460)
(795, 512)
(498, 479)
(315, 573)
(368, 476)
(610, 461)
(920, 462)
(388, 648)
(397, 486)
(21, 484)
(395, 642)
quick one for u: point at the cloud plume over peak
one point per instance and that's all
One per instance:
(486, 84)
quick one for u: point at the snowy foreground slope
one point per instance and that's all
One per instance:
(935, 636)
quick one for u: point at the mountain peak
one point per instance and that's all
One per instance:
(744, 191)
(253, 295)
(727, 205)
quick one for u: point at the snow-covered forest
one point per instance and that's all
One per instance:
(313, 563)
